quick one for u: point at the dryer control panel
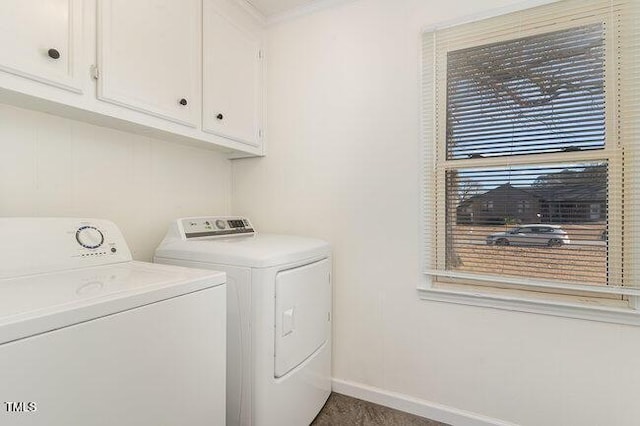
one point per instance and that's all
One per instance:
(214, 226)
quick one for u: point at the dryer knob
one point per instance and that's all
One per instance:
(89, 237)
(220, 224)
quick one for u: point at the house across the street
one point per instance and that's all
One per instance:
(566, 203)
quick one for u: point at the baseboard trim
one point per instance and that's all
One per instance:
(419, 407)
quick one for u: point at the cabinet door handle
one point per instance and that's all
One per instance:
(183, 102)
(53, 53)
(219, 116)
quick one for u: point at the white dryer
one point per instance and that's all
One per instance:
(279, 315)
(90, 337)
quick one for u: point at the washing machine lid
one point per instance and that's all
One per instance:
(34, 304)
(256, 251)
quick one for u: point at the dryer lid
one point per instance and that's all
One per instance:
(34, 304)
(257, 251)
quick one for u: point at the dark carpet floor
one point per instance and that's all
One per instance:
(343, 410)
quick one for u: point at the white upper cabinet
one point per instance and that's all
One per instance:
(149, 57)
(232, 78)
(137, 65)
(40, 40)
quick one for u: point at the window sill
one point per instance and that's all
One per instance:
(584, 311)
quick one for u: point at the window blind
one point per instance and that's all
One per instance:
(542, 93)
(531, 118)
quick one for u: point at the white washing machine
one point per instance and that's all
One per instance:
(279, 315)
(90, 337)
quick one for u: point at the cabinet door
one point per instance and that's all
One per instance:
(149, 57)
(232, 95)
(41, 40)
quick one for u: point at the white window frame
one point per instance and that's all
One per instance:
(553, 298)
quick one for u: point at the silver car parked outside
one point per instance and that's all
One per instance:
(537, 234)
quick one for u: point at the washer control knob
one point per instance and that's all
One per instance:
(89, 237)
(220, 224)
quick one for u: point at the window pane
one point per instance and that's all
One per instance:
(547, 221)
(531, 95)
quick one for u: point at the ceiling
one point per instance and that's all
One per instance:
(270, 8)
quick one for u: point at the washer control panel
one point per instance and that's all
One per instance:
(214, 226)
(37, 245)
(95, 239)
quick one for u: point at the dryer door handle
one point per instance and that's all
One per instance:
(288, 321)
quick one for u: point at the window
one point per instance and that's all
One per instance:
(530, 156)
(523, 206)
(487, 206)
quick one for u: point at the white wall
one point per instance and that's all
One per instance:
(343, 164)
(50, 166)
